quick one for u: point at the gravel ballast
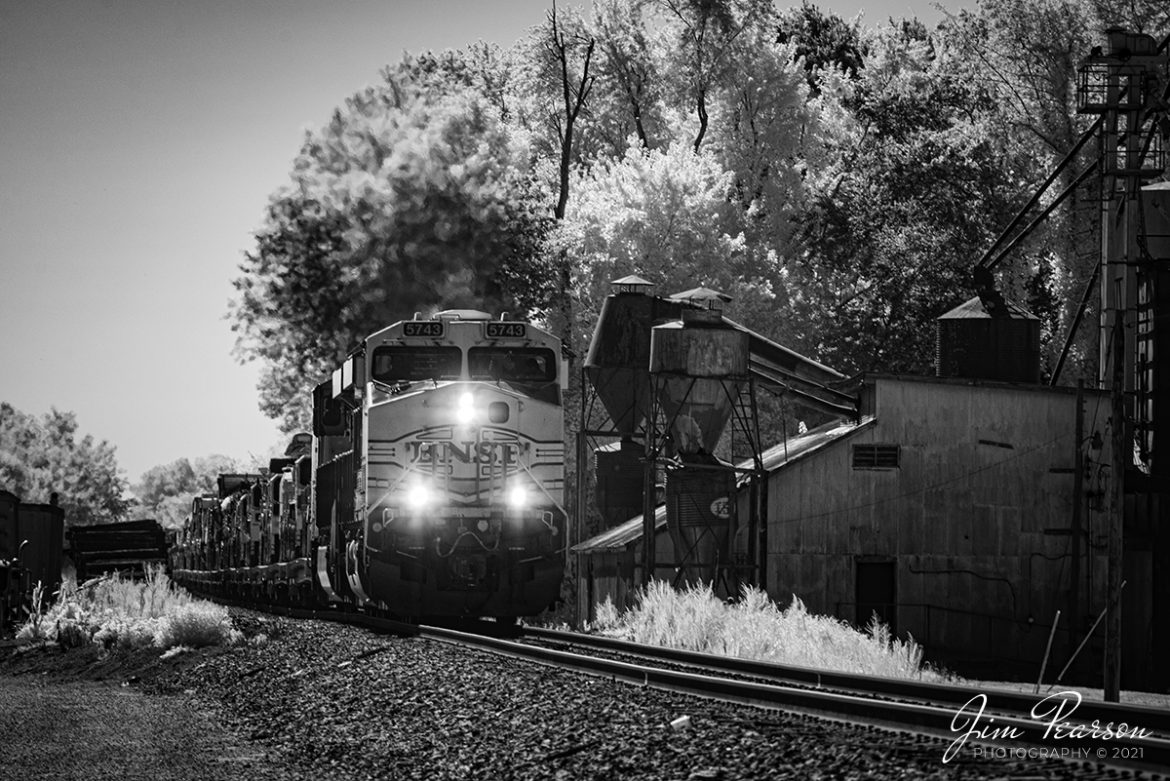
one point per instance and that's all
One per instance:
(320, 700)
(86, 730)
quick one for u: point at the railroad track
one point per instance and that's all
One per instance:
(995, 721)
(353, 617)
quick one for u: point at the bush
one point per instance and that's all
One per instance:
(196, 625)
(117, 612)
(756, 628)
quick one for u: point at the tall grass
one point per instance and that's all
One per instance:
(115, 611)
(756, 628)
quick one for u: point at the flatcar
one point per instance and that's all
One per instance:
(431, 485)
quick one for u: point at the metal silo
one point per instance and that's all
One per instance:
(700, 503)
(618, 371)
(618, 363)
(619, 469)
(699, 367)
(989, 338)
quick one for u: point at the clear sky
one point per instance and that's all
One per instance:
(139, 142)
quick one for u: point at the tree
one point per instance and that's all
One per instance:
(664, 214)
(1027, 56)
(555, 72)
(708, 37)
(919, 176)
(822, 41)
(575, 84)
(41, 457)
(416, 197)
(561, 54)
(630, 88)
(768, 132)
(165, 491)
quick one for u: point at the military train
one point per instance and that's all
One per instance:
(431, 485)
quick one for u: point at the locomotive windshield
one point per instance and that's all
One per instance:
(409, 364)
(525, 365)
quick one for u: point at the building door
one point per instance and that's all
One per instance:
(875, 593)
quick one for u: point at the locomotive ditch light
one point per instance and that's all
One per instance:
(518, 497)
(419, 496)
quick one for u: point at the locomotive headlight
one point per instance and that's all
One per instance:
(419, 496)
(518, 496)
(465, 409)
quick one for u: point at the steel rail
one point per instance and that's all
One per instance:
(1013, 703)
(350, 617)
(960, 724)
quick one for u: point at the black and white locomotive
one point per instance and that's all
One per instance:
(431, 485)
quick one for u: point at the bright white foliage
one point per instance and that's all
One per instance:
(666, 215)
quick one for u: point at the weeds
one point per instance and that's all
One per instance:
(115, 611)
(756, 628)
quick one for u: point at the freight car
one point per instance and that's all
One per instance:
(128, 547)
(431, 485)
(31, 542)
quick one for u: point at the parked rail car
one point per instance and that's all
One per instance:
(432, 483)
(31, 544)
(127, 546)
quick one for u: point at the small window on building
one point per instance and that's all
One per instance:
(876, 456)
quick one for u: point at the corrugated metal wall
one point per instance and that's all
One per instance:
(976, 516)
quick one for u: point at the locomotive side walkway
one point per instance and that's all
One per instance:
(85, 729)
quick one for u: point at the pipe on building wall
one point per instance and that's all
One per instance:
(958, 571)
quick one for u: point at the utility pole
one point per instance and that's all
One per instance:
(1078, 503)
(1116, 516)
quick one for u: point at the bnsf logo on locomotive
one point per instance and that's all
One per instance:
(467, 452)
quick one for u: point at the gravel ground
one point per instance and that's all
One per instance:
(332, 702)
(87, 730)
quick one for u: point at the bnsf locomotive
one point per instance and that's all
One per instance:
(431, 485)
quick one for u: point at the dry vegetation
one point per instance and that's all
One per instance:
(118, 612)
(756, 628)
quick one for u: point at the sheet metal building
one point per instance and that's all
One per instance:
(946, 509)
(964, 509)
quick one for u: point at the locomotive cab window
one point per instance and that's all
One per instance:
(410, 364)
(525, 365)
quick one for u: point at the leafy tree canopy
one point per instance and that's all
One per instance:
(666, 215)
(165, 491)
(822, 41)
(918, 180)
(839, 181)
(416, 197)
(43, 456)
